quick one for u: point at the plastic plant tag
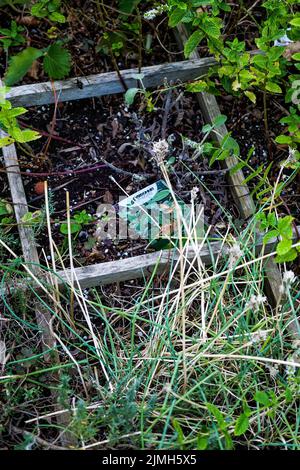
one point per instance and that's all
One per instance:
(151, 214)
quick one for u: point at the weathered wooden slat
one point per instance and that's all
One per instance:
(211, 110)
(42, 315)
(106, 83)
(143, 265)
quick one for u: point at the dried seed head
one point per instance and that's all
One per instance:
(194, 193)
(160, 150)
(255, 302)
(235, 253)
(287, 280)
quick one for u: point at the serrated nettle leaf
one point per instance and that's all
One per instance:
(270, 235)
(176, 16)
(57, 62)
(285, 226)
(288, 257)
(284, 247)
(192, 42)
(262, 398)
(20, 64)
(131, 94)
(241, 425)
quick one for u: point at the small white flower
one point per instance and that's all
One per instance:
(154, 12)
(255, 302)
(160, 150)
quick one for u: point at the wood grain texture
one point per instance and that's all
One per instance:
(143, 265)
(106, 83)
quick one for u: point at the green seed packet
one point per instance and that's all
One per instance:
(151, 214)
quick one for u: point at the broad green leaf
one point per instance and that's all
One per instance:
(176, 16)
(58, 17)
(296, 56)
(283, 139)
(262, 398)
(241, 425)
(130, 95)
(288, 257)
(192, 42)
(202, 442)
(197, 87)
(285, 226)
(212, 26)
(270, 235)
(251, 96)
(217, 414)
(273, 87)
(74, 227)
(220, 120)
(20, 64)
(127, 6)
(6, 141)
(57, 62)
(295, 22)
(284, 247)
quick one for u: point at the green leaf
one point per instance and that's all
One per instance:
(20, 64)
(273, 87)
(58, 17)
(283, 139)
(130, 95)
(217, 414)
(295, 22)
(285, 226)
(211, 26)
(57, 62)
(192, 43)
(127, 6)
(220, 120)
(197, 87)
(270, 235)
(74, 227)
(176, 16)
(251, 96)
(241, 425)
(288, 257)
(262, 398)
(202, 442)
(296, 56)
(6, 141)
(284, 247)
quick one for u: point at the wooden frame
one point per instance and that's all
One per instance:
(109, 83)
